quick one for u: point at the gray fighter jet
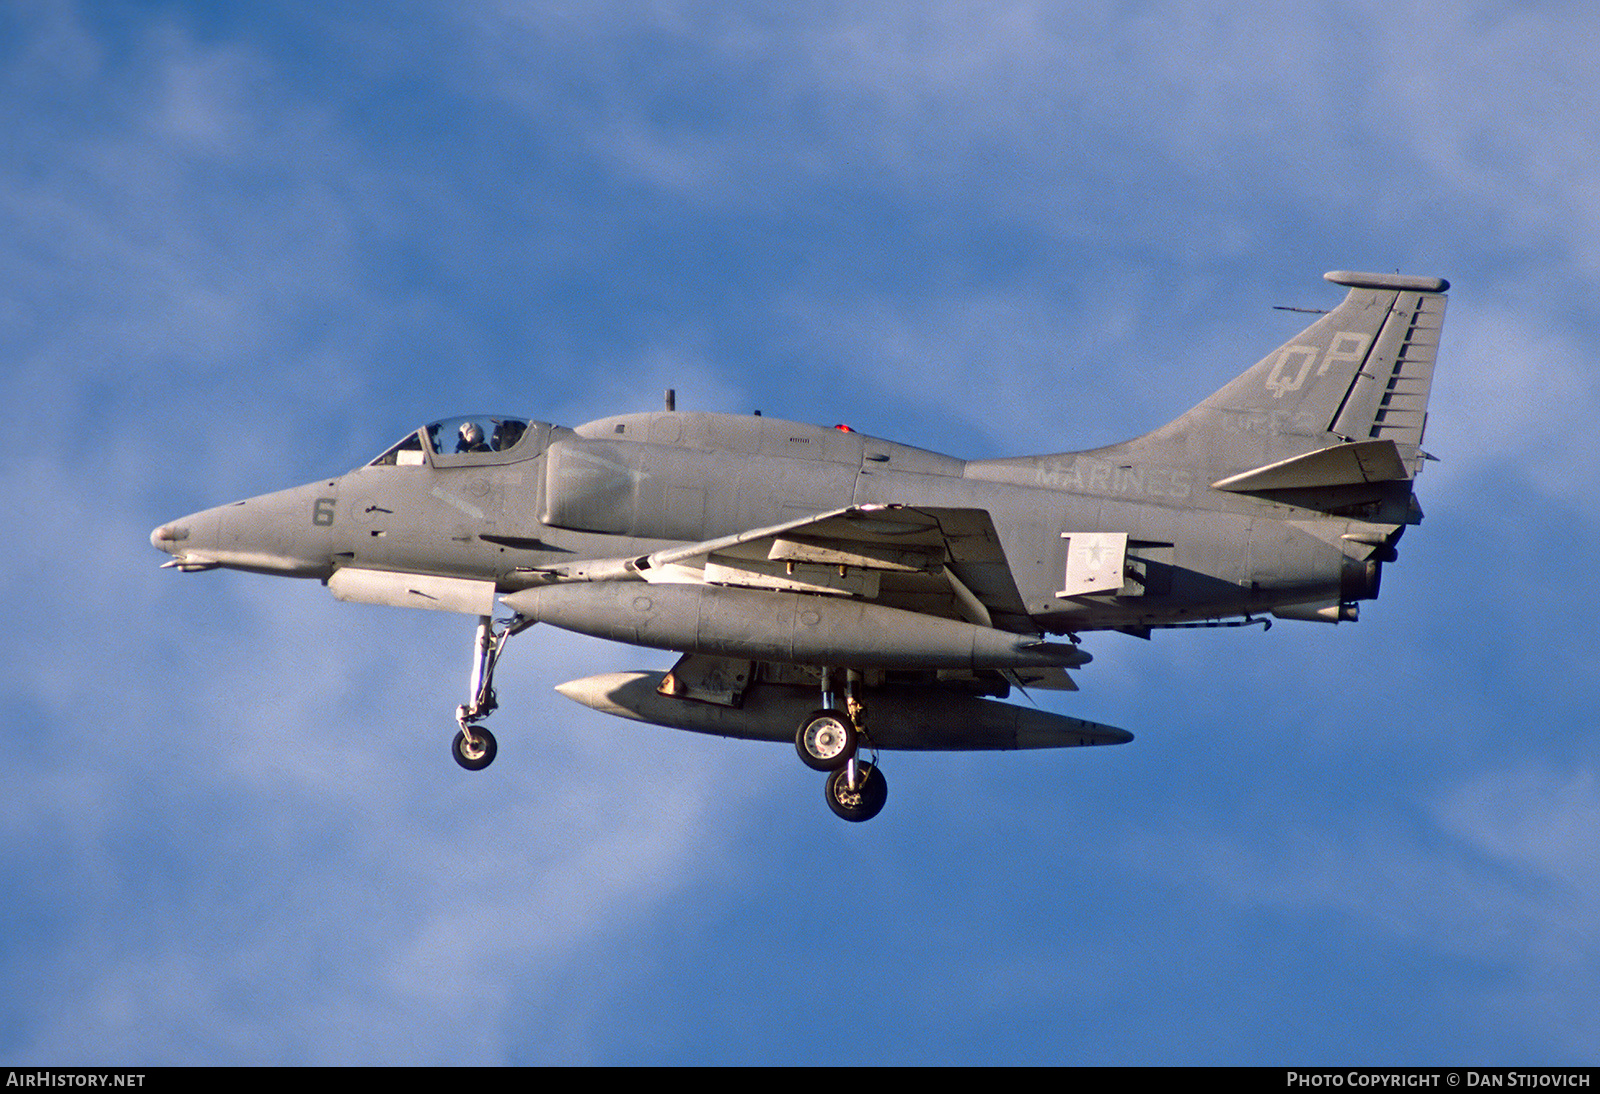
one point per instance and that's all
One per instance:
(851, 594)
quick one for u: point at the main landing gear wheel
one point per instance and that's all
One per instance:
(826, 740)
(861, 802)
(476, 754)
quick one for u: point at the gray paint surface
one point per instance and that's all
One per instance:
(805, 556)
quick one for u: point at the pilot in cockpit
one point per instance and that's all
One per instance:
(471, 438)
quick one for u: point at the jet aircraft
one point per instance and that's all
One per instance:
(851, 594)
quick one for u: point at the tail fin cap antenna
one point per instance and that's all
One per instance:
(1402, 282)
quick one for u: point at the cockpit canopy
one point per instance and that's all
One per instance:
(471, 434)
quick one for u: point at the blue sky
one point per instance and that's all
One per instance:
(245, 246)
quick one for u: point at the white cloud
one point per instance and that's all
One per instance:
(1171, 125)
(992, 373)
(1514, 394)
(233, 822)
(1509, 879)
(264, 825)
(1538, 823)
(232, 796)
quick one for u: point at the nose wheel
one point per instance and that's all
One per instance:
(476, 752)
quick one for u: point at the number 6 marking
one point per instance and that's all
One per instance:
(322, 512)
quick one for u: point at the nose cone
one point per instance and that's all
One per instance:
(168, 537)
(177, 539)
(269, 534)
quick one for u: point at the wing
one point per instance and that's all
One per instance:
(937, 561)
(943, 562)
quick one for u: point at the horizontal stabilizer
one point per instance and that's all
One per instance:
(1351, 464)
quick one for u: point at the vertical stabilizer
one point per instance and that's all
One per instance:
(1360, 373)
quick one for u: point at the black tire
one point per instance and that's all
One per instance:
(474, 759)
(865, 801)
(826, 740)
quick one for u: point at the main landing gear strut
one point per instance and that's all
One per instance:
(474, 746)
(827, 741)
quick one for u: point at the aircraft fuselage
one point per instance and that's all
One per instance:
(627, 486)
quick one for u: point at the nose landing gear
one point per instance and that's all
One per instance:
(474, 746)
(476, 752)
